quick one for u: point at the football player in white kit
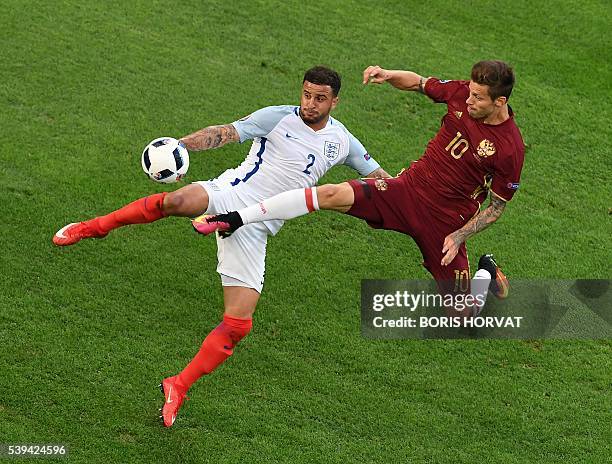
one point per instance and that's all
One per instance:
(292, 148)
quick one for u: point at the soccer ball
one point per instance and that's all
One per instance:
(165, 160)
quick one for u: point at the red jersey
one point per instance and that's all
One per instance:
(466, 158)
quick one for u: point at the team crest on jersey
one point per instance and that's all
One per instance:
(485, 149)
(331, 150)
(381, 185)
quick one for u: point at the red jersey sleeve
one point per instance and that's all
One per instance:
(507, 174)
(442, 91)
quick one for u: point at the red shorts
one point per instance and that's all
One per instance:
(400, 204)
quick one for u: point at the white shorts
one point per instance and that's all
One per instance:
(241, 256)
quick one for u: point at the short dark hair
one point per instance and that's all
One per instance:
(497, 75)
(323, 76)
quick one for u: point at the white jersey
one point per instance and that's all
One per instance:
(287, 154)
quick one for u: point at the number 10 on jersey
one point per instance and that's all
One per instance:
(457, 144)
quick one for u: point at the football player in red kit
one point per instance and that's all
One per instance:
(478, 149)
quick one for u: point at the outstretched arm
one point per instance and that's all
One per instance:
(479, 222)
(211, 137)
(403, 80)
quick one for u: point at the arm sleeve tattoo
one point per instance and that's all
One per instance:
(378, 174)
(483, 219)
(211, 137)
(422, 85)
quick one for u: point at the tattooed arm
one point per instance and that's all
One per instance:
(378, 174)
(479, 222)
(211, 137)
(403, 80)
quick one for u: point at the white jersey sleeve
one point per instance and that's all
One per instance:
(358, 158)
(261, 122)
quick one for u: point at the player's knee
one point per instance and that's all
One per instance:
(173, 203)
(240, 311)
(187, 201)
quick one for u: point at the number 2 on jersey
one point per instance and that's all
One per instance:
(311, 157)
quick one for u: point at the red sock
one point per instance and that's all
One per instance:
(216, 348)
(144, 210)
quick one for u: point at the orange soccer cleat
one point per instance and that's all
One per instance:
(174, 397)
(73, 233)
(499, 285)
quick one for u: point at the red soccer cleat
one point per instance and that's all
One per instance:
(225, 224)
(174, 397)
(73, 233)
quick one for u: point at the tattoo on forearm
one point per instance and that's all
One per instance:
(483, 219)
(422, 85)
(378, 174)
(211, 137)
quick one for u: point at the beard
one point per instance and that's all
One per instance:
(480, 114)
(312, 119)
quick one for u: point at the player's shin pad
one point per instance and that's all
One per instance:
(216, 348)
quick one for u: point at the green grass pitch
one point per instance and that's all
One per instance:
(89, 331)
